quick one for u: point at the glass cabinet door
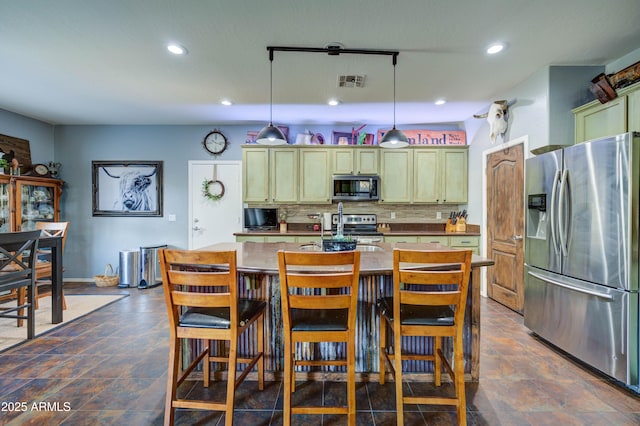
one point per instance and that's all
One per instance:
(5, 211)
(37, 204)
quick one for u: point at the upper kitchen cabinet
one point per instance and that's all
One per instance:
(270, 174)
(454, 178)
(396, 175)
(355, 161)
(25, 200)
(315, 173)
(596, 120)
(440, 175)
(622, 114)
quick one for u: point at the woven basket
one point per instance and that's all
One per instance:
(107, 280)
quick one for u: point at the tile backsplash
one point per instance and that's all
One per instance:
(404, 213)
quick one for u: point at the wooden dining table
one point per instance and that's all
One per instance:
(55, 244)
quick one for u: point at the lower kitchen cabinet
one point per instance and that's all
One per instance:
(251, 238)
(465, 242)
(400, 239)
(434, 239)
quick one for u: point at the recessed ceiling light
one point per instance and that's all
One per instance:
(495, 48)
(176, 49)
(333, 102)
(440, 102)
(226, 102)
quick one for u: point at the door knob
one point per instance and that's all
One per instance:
(516, 237)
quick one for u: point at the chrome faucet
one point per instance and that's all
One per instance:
(340, 225)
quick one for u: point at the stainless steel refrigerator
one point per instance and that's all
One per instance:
(581, 252)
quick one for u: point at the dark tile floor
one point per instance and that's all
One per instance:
(109, 368)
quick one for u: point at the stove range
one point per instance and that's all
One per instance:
(364, 224)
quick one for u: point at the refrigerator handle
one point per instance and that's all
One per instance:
(562, 204)
(552, 214)
(570, 287)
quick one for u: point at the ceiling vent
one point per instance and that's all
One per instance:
(351, 80)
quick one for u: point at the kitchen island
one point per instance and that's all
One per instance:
(258, 268)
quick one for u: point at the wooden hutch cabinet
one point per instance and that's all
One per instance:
(25, 200)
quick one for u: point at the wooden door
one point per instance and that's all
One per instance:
(505, 226)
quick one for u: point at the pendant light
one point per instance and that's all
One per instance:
(271, 135)
(394, 138)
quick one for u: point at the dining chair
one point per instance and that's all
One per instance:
(17, 272)
(429, 298)
(319, 294)
(43, 262)
(200, 289)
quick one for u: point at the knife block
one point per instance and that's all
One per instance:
(460, 226)
(449, 227)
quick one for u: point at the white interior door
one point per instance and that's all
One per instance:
(216, 221)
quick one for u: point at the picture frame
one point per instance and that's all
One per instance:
(127, 188)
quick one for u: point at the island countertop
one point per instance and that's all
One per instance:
(258, 257)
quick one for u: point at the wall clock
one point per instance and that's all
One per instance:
(215, 142)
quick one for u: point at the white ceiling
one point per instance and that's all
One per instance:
(104, 62)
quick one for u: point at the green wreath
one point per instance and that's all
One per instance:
(206, 190)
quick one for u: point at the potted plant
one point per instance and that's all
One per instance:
(3, 165)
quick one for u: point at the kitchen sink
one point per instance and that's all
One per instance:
(359, 247)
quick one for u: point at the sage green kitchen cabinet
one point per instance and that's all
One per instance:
(400, 239)
(250, 238)
(315, 174)
(440, 175)
(280, 239)
(270, 175)
(255, 175)
(596, 120)
(284, 175)
(453, 176)
(355, 161)
(633, 111)
(465, 242)
(433, 239)
(622, 114)
(426, 176)
(396, 175)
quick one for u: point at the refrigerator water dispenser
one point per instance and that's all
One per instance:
(537, 216)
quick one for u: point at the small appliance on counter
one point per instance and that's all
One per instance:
(261, 219)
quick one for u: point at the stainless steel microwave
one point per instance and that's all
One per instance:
(356, 188)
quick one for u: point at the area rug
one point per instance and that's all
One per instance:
(77, 306)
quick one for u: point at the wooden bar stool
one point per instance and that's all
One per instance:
(429, 299)
(196, 311)
(319, 293)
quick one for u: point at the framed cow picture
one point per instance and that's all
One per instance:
(127, 188)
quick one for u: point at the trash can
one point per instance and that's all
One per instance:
(129, 268)
(150, 266)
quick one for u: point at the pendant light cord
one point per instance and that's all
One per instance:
(394, 92)
(271, 87)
